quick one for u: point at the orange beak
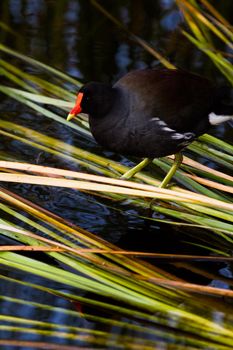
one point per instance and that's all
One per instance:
(77, 108)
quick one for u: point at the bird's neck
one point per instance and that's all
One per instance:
(105, 104)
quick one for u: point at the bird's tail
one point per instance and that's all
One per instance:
(215, 119)
(223, 109)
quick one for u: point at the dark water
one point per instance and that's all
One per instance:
(75, 37)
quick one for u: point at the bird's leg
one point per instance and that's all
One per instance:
(131, 172)
(177, 161)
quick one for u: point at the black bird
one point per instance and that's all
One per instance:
(151, 113)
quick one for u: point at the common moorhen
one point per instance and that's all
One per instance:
(152, 112)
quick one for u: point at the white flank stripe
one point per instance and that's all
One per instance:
(177, 136)
(168, 129)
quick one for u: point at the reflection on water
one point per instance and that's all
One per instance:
(75, 37)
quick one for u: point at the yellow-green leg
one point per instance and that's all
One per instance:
(131, 172)
(177, 161)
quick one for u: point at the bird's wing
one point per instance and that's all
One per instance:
(181, 99)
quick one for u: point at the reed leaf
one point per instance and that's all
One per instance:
(143, 295)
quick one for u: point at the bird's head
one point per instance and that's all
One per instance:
(95, 99)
